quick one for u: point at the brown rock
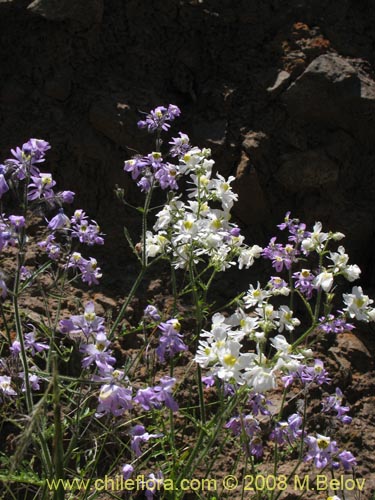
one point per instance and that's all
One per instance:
(310, 169)
(355, 351)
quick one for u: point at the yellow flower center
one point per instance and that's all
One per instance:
(229, 359)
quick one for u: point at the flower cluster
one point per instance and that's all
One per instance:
(189, 230)
(220, 349)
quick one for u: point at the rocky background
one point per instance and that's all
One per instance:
(283, 91)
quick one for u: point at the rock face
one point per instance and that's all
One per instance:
(307, 170)
(283, 96)
(85, 12)
(334, 92)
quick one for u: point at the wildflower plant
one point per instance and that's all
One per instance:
(188, 394)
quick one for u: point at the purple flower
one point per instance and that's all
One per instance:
(347, 460)
(146, 398)
(180, 145)
(3, 289)
(332, 324)
(171, 341)
(67, 196)
(127, 471)
(87, 324)
(91, 273)
(288, 432)
(259, 404)
(250, 426)
(163, 392)
(97, 353)
(138, 436)
(88, 232)
(316, 373)
(304, 282)
(33, 345)
(321, 449)
(297, 230)
(25, 159)
(152, 313)
(5, 386)
(166, 175)
(159, 117)
(114, 399)
(3, 185)
(33, 380)
(281, 256)
(145, 184)
(136, 166)
(15, 348)
(156, 481)
(153, 397)
(209, 381)
(333, 403)
(60, 221)
(41, 187)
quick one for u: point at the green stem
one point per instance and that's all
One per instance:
(121, 314)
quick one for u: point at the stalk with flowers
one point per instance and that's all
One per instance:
(80, 411)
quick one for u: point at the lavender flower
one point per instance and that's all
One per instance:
(3, 289)
(332, 324)
(287, 432)
(97, 353)
(171, 341)
(41, 187)
(179, 145)
(281, 256)
(33, 345)
(249, 425)
(127, 471)
(259, 404)
(3, 185)
(25, 159)
(157, 482)
(138, 436)
(17, 222)
(152, 397)
(67, 196)
(152, 313)
(304, 282)
(5, 386)
(321, 450)
(347, 460)
(159, 117)
(333, 403)
(60, 221)
(87, 324)
(114, 399)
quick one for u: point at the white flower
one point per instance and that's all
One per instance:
(286, 319)
(155, 244)
(324, 280)
(260, 379)
(221, 189)
(232, 362)
(339, 259)
(316, 239)
(338, 236)
(351, 273)
(357, 304)
(255, 296)
(281, 344)
(247, 256)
